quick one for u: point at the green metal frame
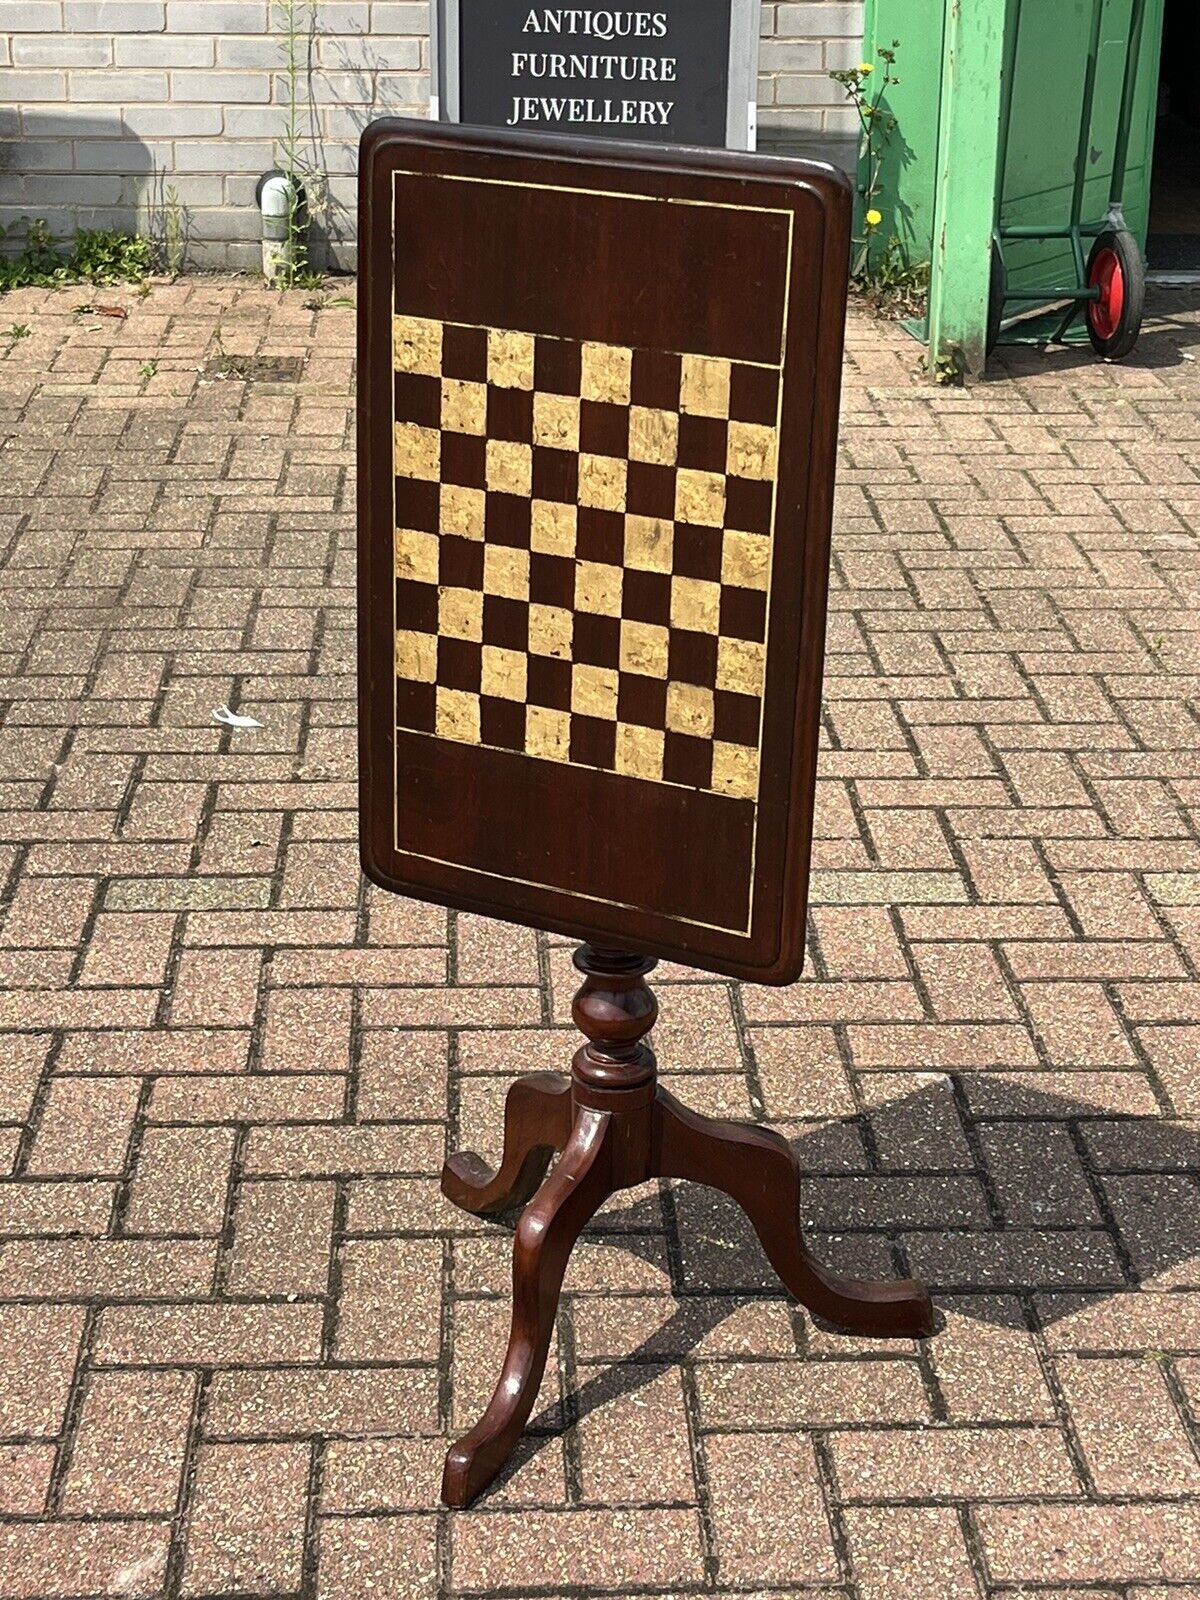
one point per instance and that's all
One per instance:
(965, 187)
(1076, 230)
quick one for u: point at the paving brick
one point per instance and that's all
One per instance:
(128, 1455)
(128, 949)
(216, 988)
(212, 1334)
(282, 1239)
(952, 1463)
(319, 1152)
(946, 1046)
(1130, 1431)
(255, 1098)
(349, 1402)
(389, 1306)
(40, 1346)
(83, 1558)
(48, 912)
(362, 1558)
(308, 1030)
(640, 1439)
(810, 1394)
(85, 1127)
(181, 1181)
(487, 951)
(986, 1369)
(246, 1529)
(25, 1478)
(909, 1553)
(859, 942)
(108, 1269)
(125, 1051)
(401, 1075)
(1156, 1216)
(876, 1000)
(55, 1207)
(794, 1544)
(1038, 1257)
(1154, 1541)
(645, 1550)
(964, 982)
(1036, 1174)
(20, 1072)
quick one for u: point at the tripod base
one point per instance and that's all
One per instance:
(616, 1127)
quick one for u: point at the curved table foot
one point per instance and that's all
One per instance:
(551, 1223)
(757, 1169)
(537, 1124)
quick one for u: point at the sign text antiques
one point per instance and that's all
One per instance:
(678, 72)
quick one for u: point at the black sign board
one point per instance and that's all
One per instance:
(676, 72)
(657, 74)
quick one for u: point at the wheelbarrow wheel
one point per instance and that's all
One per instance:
(1114, 320)
(997, 295)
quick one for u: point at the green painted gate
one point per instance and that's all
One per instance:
(942, 189)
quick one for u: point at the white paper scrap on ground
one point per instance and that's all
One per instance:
(234, 719)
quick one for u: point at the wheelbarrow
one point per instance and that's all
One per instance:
(1110, 284)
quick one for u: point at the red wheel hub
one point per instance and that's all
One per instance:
(1108, 276)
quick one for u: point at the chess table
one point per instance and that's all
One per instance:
(598, 396)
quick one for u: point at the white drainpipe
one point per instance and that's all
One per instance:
(280, 202)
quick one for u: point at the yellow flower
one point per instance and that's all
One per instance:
(866, 68)
(874, 218)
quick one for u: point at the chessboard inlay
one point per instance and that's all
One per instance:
(583, 544)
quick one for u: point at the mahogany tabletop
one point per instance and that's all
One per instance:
(598, 400)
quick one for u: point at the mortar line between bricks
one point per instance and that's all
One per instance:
(181, 1521)
(975, 1549)
(450, 1299)
(37, 1105)
(1066, 1421)
(545, 979)
(333, 1282)
(69, 1432)
(858, 811)
(1169, 1366)
(748, 1063)
(233, 1196)
(1145, 1064)
(832, 1502)
(318, 1449)
(970, 1133)
(569, 1443)
(354, 1064)
(709, 1547)
(123, 1192)
(443, 1550)
(100, 884)
(1103, 1204)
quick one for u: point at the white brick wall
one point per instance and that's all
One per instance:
(799, 107)
(104, 103)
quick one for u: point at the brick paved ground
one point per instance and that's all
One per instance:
(239, 1325)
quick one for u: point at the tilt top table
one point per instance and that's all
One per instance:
(598, 397)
